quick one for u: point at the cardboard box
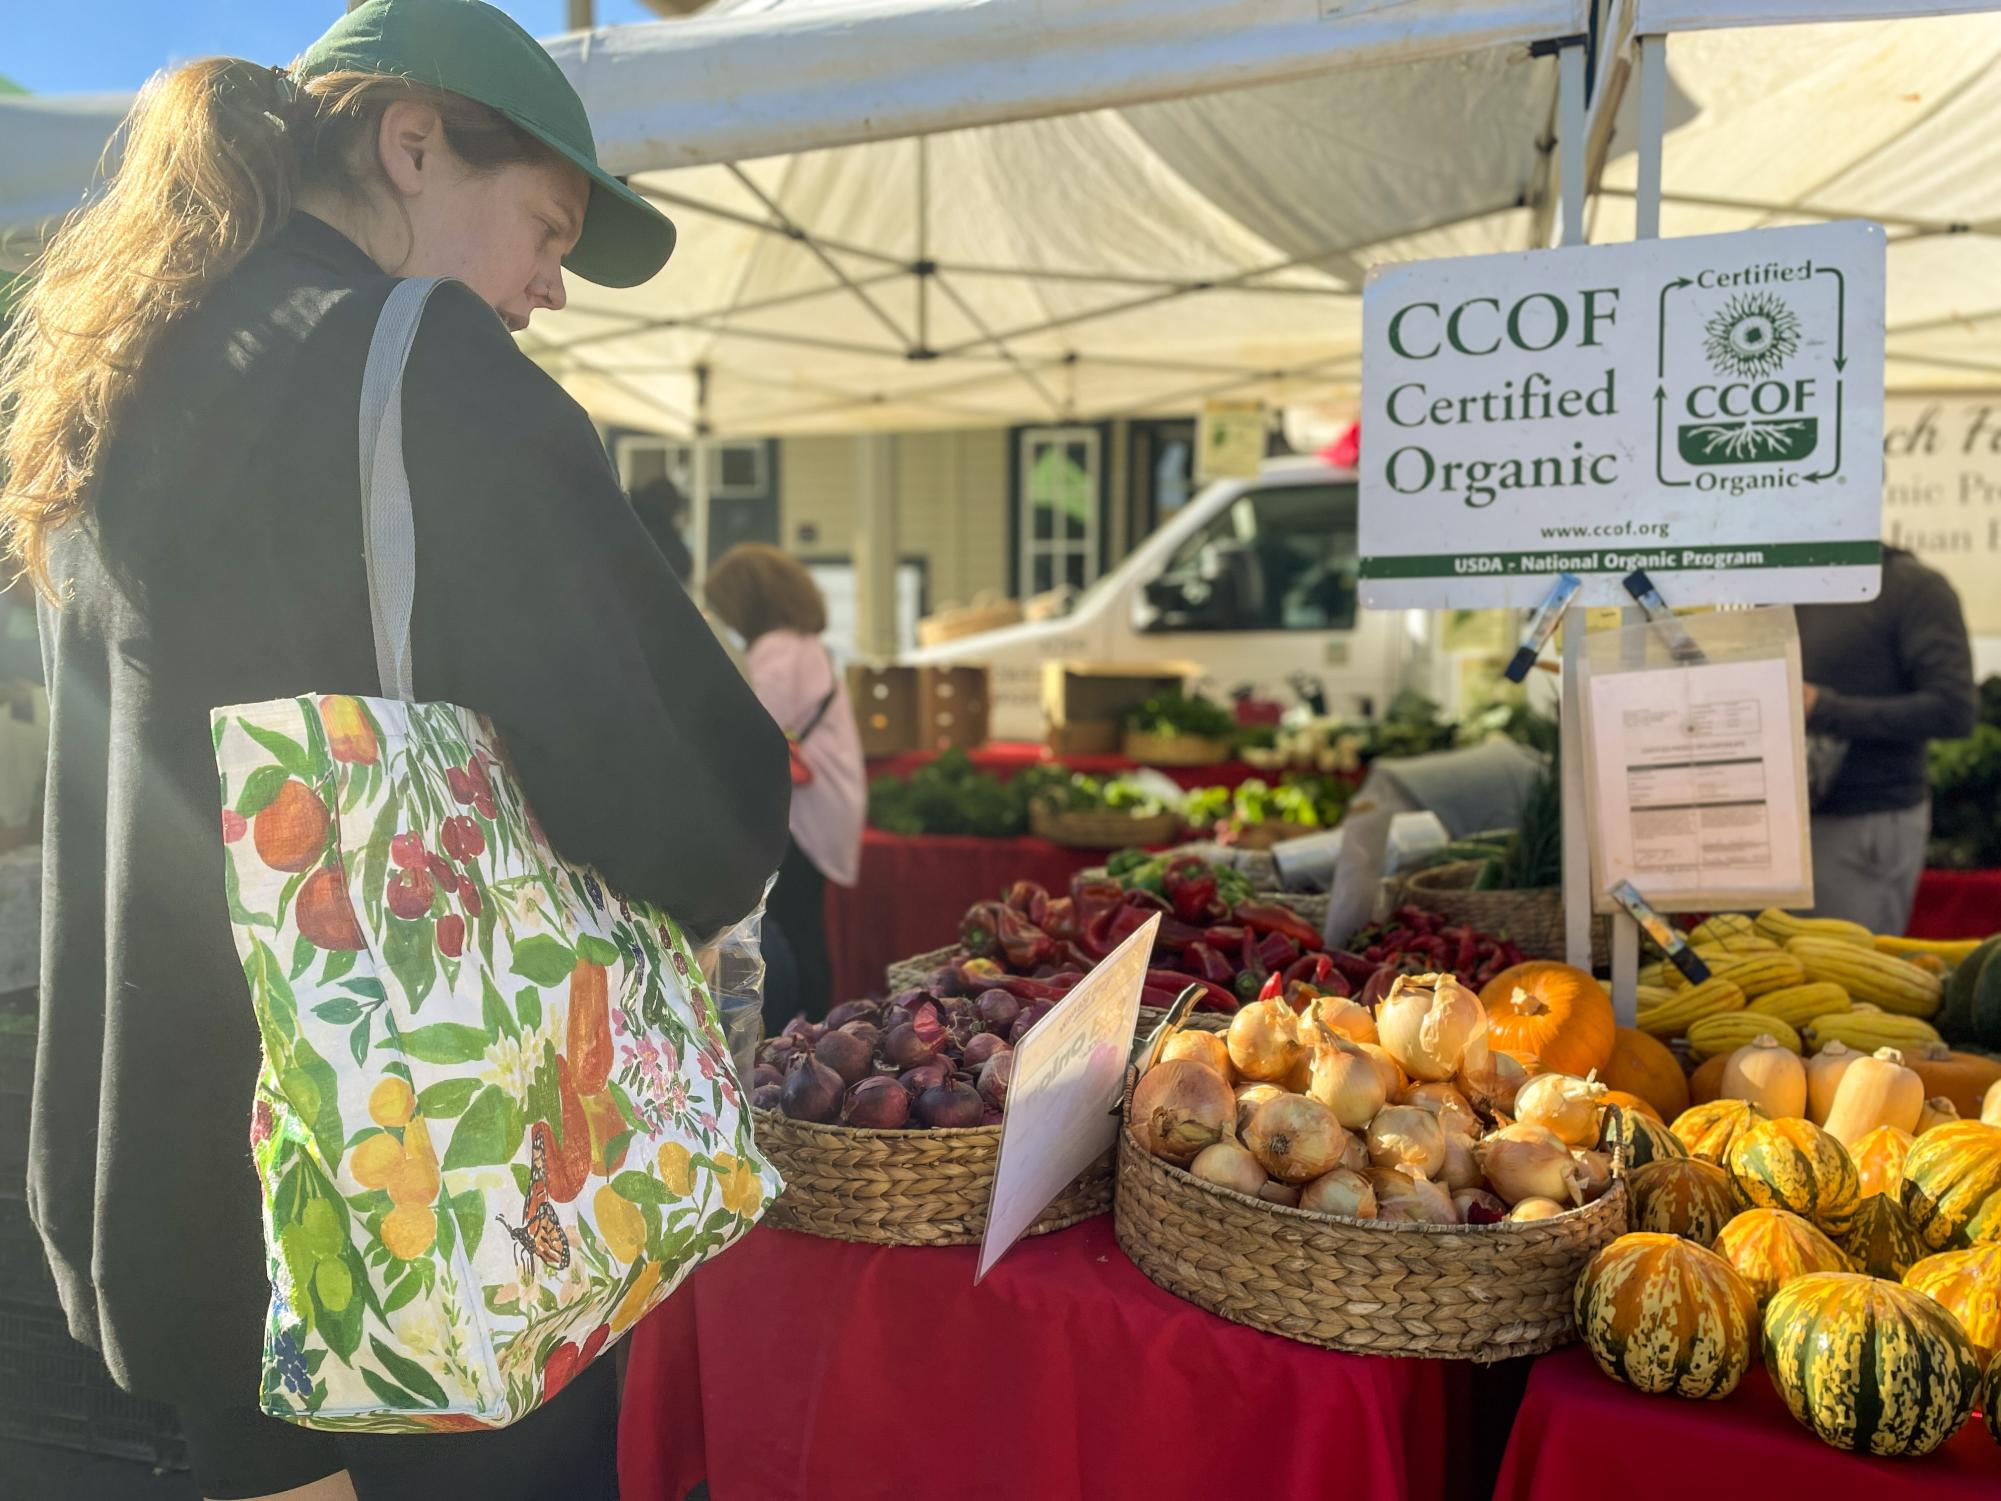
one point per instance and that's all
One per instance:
(885, 704)
(952, 707)
(1084, 703)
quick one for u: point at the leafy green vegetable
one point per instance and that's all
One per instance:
(1179, 714)
(1312, 802)
(1966, 789)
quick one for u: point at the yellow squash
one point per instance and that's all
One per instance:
(1796, 1005)
(1781, 927)
(1755, 974)
(1881, 979)
(1732, 1030)
(1671, 1018)
(1866, 1028)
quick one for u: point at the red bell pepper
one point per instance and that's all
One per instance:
(1276, 951)
(1211, 965)
(1214, 997)
(1176, 934)
(1093, 897)
(1059, 918)
(1024, 944)
(1190, 885)
(980, 931)
(1029, 899)
(1273, 988)
(1274, 919)
(1354, 968)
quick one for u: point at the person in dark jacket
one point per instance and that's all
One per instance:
(182, 485)
(1883, 679)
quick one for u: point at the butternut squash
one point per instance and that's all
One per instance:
(1823, 1077)
(1938, 1111)
(1875, 1091)
(1990, 1108)
(1963, 1078)
(1769, 1075)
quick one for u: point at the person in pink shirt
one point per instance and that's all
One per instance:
(772, 602)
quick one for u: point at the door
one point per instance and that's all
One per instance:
(1265, 591)
(1059, 510)
(743, 486)
(1161, 462)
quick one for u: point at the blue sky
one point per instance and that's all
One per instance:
(75, 46)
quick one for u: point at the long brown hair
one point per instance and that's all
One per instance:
(215, 155)
(755, 588)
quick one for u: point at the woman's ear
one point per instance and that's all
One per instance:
(408, 143)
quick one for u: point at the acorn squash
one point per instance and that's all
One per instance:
(1952, 1185)
(1664, 1314)
(1793, 1164)
(1632, 1138)
(1770, 1247)
(1708, 1130)
(1882, 1241)
(1682, 1196)
(1967, 1285)
(1868, 1365)
(1990, 1400)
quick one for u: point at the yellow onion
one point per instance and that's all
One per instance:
(1568, 1107)
(1595, 1168)
(1405, 1136)
(1296, 1138)
(1300, 1080)
(1181, 1107)
(1264, 1041)
(1228, 1165)
(1340, 1192)
(1461, 1168)
(1249, 1097)
(1395, 1080)
(1496, 1085)
(1345, 1080)
(1447, 1103)
(1526, 1161)
(1427, 1023)
(1466, 1200)
(1403, 1195)
(1275, 1192)
(1337, 1016)
(1203, 1047)
(1355, 1154)
(1536, 1209)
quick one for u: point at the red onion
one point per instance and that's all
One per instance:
(852, 1011)
(767, 1096)
(766, 1073)
(778, 1052)
(907, 1000)
(877, 1104)
(997, 1011)
(928, 1023)
(806, 1033)
(928, 1075)
(903, 1046)
(812, 1092)
(846, 1054)
(991, 1118)
(949, 1105)
(945, 980)
(994, 1079)
(868, 1032)
(1032, 1013)
(980, 1049)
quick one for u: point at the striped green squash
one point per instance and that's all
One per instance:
(1990, 1400)
(1640, 1139)
(1882, 1241)
(1952, 1185)
(1664, 1314)
(1792, 1164)
(1867, 1365)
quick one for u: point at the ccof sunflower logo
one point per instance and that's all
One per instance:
(1752, 336)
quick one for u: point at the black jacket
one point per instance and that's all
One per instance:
(1893, 674)
(220, 563)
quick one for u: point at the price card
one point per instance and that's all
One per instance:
(1063, 1097)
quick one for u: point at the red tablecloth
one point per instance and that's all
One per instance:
(915, 889)
(1003, 758)
(1956, 904)
(1579, 1433)
(793, 1367)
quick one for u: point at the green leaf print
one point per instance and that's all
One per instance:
(239, 914)
(339, 962)
(289, 754)
(357, 1040)
(368, 989)
(412, 957)
(408, 1373)
(543, 959)
(338, 1012)
(597, 950)
(494, 1013)
(528, 1005)
(324, 1121)
(443, 1042)
(302, 956)
(401, 1294)
(259, 788)
(388, 1393)
(639, 1188)
(486, 1133)
(447, 1098)
(469, 1209)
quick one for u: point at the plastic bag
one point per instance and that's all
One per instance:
(733, 964)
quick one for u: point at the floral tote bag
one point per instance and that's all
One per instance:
(496, 1120)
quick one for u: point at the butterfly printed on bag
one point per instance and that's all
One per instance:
(541, 1236)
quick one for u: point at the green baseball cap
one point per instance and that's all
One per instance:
(469, 48)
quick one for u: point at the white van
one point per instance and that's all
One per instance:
(1253, 579)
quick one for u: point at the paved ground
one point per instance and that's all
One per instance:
(31, 1472)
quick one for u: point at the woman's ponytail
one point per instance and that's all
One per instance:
(209, 171)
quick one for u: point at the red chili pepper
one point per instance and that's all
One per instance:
(1059, 918)
(1093, 897)
(1024, 989)
(1466, 950)
(1176, 934)
(980, 931)
(1352, 967)
(1274, 919)
(1159, 999)
(1211, 965)
(1191, 886)
(1024, 944)
(1222, 935)
(1029, 899)
(1276, 951)
(1097, 940)
(1274, 988)
(1072, 957)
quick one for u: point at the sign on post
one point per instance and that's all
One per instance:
(1062, 1098)
(1707, 409)
(1230, 440)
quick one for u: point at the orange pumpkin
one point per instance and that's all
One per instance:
(1706, 1083)
(1645, 1066)
(1558, 1013)
(1631, 1102)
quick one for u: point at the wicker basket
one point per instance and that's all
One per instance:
(1262, 836)
(903, 1188)
(1101, 829)
(1173, 750)
(1533, 919)
(914, 972)
(1457, 1292)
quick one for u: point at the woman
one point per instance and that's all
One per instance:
(182, 487)
(772, 602)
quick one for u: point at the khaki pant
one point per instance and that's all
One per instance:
(1866, 865)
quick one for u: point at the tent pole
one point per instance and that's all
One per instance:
(875, 547)
(699, 501)
(923, 244)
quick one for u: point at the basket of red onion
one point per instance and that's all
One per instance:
(1370, 1179)
(885, 1119)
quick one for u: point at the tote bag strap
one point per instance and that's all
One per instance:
(388, 535)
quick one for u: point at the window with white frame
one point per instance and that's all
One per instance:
(1060, 478)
